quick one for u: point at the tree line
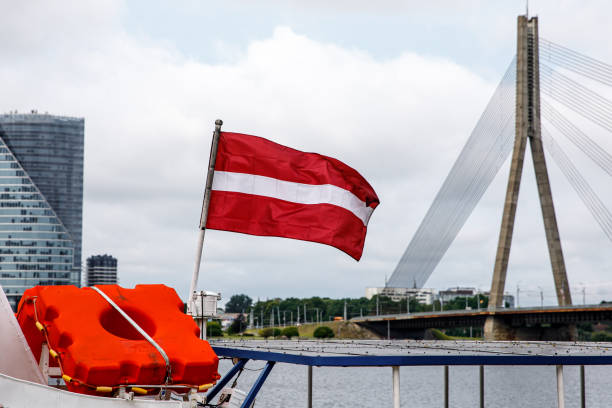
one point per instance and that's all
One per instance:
(314, 309)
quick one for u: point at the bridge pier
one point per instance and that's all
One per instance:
(500, 328)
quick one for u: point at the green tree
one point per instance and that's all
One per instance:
(270, 332)
(238, 325)
(267, 332)
(330, 308)
(601, 336)
(213, 329)
(238, 304)
(323, 332)
(290, 332)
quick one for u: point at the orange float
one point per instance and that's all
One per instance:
(98, 350)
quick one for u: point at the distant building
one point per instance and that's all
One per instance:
(508, 299)
(226, 319)
(451, 294)
(423, 296)
(428, 296)
(41, 201)
(101, 270)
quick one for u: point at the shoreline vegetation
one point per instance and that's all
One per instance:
(328, 312)
(341, 330)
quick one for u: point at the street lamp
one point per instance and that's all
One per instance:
(583, 293)
(541, 296)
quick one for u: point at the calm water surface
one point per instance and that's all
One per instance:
(510, 386)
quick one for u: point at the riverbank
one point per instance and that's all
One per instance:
(342, 330)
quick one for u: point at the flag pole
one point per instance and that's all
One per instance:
(205, 204)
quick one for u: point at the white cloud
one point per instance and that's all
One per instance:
(150, 111)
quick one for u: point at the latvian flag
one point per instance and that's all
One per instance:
(263, 188)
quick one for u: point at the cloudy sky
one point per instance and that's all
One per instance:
(392, 88)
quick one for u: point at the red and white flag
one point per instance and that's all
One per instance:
(263, 188)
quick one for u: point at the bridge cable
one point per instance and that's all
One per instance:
(478, 186)
(561, 82)
(588, 196)
(578, 98)
(559, 49)
(437, 242)
(475, 187)
(587, 145)
(487, 148)
(576, 62)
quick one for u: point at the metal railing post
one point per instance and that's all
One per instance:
(396, 387)
(582, 388)
(309, 386)
(445, 386)
(560, 393)
(481, 386)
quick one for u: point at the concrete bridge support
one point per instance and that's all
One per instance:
(528, 128)
(498, 328)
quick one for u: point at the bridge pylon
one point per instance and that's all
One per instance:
(528, 127)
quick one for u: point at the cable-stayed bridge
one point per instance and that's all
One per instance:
(544, 85)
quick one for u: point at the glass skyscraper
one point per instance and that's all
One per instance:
(41, 201)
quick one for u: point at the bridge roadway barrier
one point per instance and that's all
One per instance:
(528, 323)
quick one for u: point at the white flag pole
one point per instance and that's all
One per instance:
(205, 204)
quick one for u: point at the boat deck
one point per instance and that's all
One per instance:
(396, 353)
(416, 352)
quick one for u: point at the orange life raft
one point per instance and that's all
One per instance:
(98, 350)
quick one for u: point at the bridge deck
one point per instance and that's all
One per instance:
(486, 312)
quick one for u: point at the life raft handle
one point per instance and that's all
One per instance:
(141, 331)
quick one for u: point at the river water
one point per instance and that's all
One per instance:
(505, 386)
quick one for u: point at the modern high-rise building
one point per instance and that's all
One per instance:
(41, 201)
(101, 270)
